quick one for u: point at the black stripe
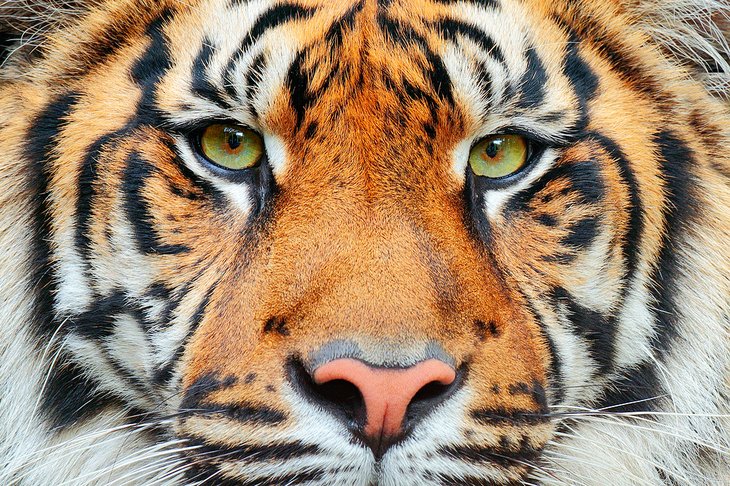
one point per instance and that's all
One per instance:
(347, 22)
(584, 177)
(533, 82)
(711, 134)
(632, 239)
(547, 220)
(202, 387)
(148, 71)
(680, 209)
(581, 234)
(621, 58)
(413, 92)
(158, 290)
(39, 151)
(271, 19)
(476, 219)
(68, 396)
(97, 322)
(103, 45)
(164, 373)
(597, 329)
(535, 390)
(634, 391)
(86, 193)
(297, 81)
(438, 76)
(496, 416)
(245, 414)
(255, 71)
(171, 299)
(202, 186)
(484, 79)
(136, 173)
(504, 456)
(582, 79)
(555, 371)
(450, 29)
(201, 84)
(641, 383)
(248, 452)
(125, 374)
(435, 72)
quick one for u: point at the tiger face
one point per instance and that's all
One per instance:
(368, 242)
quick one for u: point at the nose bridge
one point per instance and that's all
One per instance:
(390, 269)
(351, 264)
(370, 267)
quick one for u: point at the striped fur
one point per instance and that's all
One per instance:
(157, 315)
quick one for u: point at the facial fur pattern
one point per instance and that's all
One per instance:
(160, 318)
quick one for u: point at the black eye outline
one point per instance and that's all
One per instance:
(200, 132)
(535, 149)
(238, 176)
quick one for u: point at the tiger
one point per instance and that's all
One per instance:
(364, 242)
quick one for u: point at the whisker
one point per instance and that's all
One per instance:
(624, 450)
(627, 450)
(583, 462)
(669, 433)
(172, 464)
(158, 450)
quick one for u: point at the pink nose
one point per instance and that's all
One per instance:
(387, 392)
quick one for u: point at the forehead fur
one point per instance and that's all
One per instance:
(693, 32)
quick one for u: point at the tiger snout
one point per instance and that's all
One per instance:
(366, 410)
(359, 365)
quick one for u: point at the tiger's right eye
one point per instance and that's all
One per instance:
(499, 156)
(232, 147)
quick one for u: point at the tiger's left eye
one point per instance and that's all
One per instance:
(499, 156)
(231, 146)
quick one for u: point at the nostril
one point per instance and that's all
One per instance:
(430, 391)
(340, 397)
(340, 392)
(431, 395)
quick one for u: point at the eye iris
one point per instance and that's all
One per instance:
(232, 147)
(498, 156)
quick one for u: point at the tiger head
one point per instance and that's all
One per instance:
(364, 242)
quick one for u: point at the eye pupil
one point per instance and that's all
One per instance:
(234, 139)
(493, 149)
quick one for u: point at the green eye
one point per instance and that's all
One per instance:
(231, 146)
(498, 156)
